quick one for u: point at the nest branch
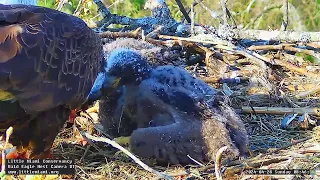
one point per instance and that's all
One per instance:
(280, 110)
(285, 19)
(138, 161)
(183, 11)
(161, 17)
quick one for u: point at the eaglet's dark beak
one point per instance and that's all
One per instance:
(110, 84)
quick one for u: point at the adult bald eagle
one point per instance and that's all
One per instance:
(50, 63)
(177, 115)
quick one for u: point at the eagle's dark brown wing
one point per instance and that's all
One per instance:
(49, 61)
(47, 58)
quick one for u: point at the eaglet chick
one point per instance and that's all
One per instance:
(111, 116)
(175, 113)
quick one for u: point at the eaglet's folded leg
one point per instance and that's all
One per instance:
(236, 127)
(172, 143)
(35, 137)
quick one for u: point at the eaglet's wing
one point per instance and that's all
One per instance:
(177, 88)
(47, 58)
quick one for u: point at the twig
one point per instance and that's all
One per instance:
(218, 162)
(286, 36)
(185, 42)
(314, 44)
(183, 11)
(270, 47)
(305, 88)
(232, 19)
(75, 13)
(60, 5)
(280, 110)
(192, 19)
(115, 35)
(209, 79)
(102, 9)
(188, 39)
(249, 6)
(285, 64)
(223, 4)
(315, 89)
(154, 32)
(257, 58)
(197, 162)
(285, 19)
(287, 47)
(160, 16)
(85, 153)
(138, 161)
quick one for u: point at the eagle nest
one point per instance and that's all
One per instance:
(275, 93)
(265, 98)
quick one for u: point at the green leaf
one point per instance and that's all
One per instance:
(306, 57)
(46, 3)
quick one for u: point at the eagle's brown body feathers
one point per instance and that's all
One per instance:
(49, 62)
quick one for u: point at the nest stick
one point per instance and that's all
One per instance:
(287, 47)
(280, 110)
(138, 161)
(314, 44)
(114, 35)
(188, 39)
(217, 164)
(292, 67)
(183, 11)
(223, 4)
(285, 16)
(283, 63)
(192, 19)
(309, 92)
